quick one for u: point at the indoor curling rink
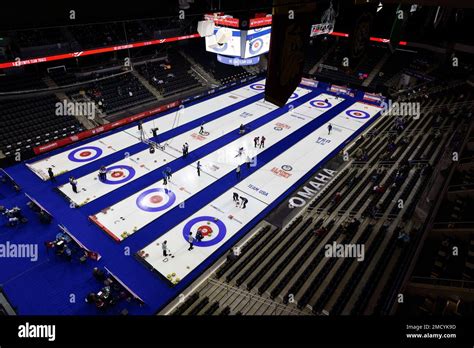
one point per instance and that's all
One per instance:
(86, 153)
(222, 218)
(135, 166)
(135, 212)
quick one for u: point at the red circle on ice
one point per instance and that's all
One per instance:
(358, 114)
(117, 174)
(85, 154)
(156, 199)
(205, 230)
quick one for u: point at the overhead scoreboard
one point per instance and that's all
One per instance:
(236, 41)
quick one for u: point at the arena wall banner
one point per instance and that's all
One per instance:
(219, 19)
(374, 98)
(98, 130)
(18, 63)
(260, 22)
(288, 43)
(341, 90)
(309, 82)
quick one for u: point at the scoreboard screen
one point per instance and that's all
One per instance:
(239, 43)
(257, 42)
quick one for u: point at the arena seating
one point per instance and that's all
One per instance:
(29, 38)
(392, 66)
(187, 303)
(21, 82)
(171, 76)
(118, 91)
(231, 260)
(32, 43)
(332, 68)
(29, 122)
(290, 268)
(221, 72)
(62, 77)
(87, 37)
